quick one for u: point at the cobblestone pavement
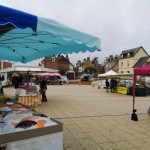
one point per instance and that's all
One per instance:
(96, 120)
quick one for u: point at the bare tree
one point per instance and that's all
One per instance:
(95, 61)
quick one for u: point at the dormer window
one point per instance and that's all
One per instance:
(116, 57)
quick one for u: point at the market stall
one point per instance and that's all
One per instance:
(124, 86)
(142, 71)
(107, 75)
(124, 81)
(25, 128)
(8, 73)
(26, 37)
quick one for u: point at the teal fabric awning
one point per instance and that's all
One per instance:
(25, 37)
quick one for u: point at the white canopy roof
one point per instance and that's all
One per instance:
(28, 68)
(109, 73)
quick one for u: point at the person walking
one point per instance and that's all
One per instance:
(43, 87)
(115, 86)
(107, 84)
(111, 85)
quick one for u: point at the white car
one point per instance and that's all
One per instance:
(64, 80)
(126, 82)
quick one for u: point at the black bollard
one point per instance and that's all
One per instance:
(134, 116)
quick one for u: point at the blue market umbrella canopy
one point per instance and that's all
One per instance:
(25, 37)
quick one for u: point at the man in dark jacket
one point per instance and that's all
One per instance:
(107, 84)
(43, 87)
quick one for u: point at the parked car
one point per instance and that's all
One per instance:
(86, 77)
(127, 83)
(64, 80)
(58, 80)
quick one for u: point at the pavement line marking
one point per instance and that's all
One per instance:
(99, 116)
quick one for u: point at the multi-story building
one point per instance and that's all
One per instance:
(87, 63)
(59, 62)
(110, 62)
(132, 58)
(5, 64)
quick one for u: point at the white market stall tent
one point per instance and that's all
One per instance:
(107, 74)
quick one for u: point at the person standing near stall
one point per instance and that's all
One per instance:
(107, 84)
(111, 85)
(115, 86)
(43, 88)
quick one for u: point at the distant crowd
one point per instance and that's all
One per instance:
(112, 85)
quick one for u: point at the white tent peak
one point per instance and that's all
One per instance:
(109, 73)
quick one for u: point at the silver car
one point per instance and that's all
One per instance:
(64, 80)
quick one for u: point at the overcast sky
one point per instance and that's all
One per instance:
(120, 24)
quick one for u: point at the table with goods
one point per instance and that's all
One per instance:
(23, 128)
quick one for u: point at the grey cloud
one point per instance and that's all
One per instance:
(121, 24)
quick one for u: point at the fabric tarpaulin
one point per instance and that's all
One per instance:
(26, 37)
(108, 74)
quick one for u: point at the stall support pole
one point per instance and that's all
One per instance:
(134, 116)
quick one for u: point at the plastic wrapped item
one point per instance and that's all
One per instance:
(45, 142)
(20, 91)
(46, 134)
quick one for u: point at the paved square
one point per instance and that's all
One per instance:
(96, 120)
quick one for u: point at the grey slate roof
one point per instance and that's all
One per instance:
(130, 53)
(134, 50)
(141, 62)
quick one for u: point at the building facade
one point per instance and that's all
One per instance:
(5, 64)
(59, 62)
(87, 63)
(130, 59)
(110, 62)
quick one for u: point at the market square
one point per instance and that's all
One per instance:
(96, 120)
(74, 75)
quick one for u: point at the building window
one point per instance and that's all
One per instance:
(109, 66)
(128, 54)
(53, 59)
(128, 71)
(128, 63)
(121, 64)
(122, 72)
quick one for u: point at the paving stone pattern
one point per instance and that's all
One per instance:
(96, 120)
